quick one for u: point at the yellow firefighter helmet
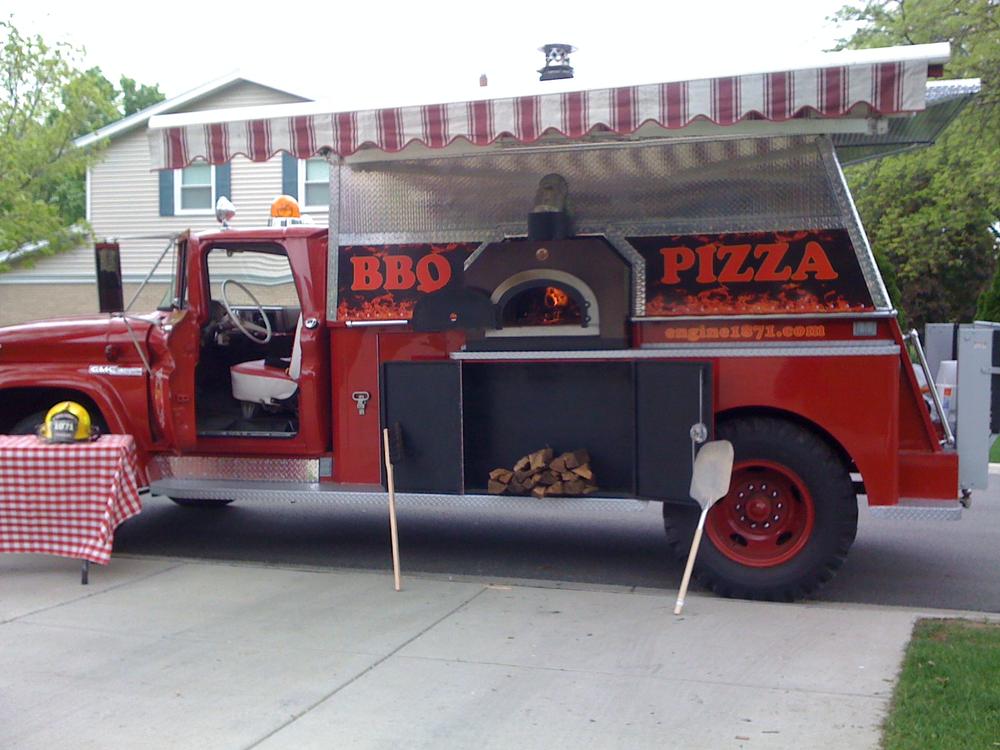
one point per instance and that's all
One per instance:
(66, 422)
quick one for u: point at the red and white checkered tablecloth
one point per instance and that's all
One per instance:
(66, 499)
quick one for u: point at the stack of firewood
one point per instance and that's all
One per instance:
(542, 475)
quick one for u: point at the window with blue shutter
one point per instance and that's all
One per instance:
(166, 192)
(194, 189)
(223, 181)
(289, 175)
(315, 184)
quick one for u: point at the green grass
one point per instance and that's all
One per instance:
(995, 452)
(948, 695)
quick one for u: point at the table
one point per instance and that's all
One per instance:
(66, 499)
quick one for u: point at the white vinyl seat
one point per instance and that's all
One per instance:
(254, 382)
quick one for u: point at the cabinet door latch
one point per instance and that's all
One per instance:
(361, 401)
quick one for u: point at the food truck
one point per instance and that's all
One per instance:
(529, 290)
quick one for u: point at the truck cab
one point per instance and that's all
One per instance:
(242, 356)
(227, 364)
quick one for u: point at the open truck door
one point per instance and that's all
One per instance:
(174, 345)
(172, 341)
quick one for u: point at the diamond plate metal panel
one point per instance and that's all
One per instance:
(333, 246)
(915, 510)
(701, 185)
(851, 220)
(236, 469)
(286, 492)
(675, 187)
(945, 99)
(638, 264)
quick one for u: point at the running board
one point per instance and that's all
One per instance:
(313, 492)
(917, 509)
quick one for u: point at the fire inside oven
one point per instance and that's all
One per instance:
(543, 302)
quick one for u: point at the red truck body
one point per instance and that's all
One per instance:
(884, 426)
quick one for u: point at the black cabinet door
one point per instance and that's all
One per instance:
(424, 399)
(670, 398)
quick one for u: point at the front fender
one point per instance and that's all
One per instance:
(121, 399)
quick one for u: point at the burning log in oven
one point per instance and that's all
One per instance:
(543, 303)
(542, 474)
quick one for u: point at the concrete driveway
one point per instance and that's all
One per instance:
(161, 653)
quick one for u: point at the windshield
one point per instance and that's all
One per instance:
(165, 279)
(174, 296)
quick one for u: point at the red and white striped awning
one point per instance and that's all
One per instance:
(880, 88)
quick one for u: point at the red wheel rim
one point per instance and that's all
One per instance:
(767, 517)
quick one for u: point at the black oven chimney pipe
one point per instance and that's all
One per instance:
(550, 219)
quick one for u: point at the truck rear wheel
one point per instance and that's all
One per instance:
(787, 522)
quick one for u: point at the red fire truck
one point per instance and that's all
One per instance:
(630, 271)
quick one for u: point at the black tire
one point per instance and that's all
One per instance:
(813, 557)
(200, 502)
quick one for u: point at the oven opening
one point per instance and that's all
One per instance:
(543, 303)
(547, 303)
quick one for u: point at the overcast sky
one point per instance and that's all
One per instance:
(422, 51)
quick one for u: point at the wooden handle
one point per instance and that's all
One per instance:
(690, 563)
(391, 481)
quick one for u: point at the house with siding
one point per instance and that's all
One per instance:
(128, 201)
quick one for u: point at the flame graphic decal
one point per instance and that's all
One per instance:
(720, 300)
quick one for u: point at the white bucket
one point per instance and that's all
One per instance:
(947, 388)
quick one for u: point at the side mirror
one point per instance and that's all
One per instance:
(224, 211)
(107, 260)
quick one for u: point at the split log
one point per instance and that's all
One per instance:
(540, 459)
(501, 475)
(548, 477)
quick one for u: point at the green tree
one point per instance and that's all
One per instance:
(45, 103)
(136, 97)
(932, 214)
(70, 194)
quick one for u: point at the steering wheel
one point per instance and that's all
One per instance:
(257, 334)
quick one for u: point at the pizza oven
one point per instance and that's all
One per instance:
(549, 291)
(555, 294)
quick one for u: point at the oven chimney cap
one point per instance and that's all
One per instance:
(549, 219)
(552, 194)
(556, 62)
